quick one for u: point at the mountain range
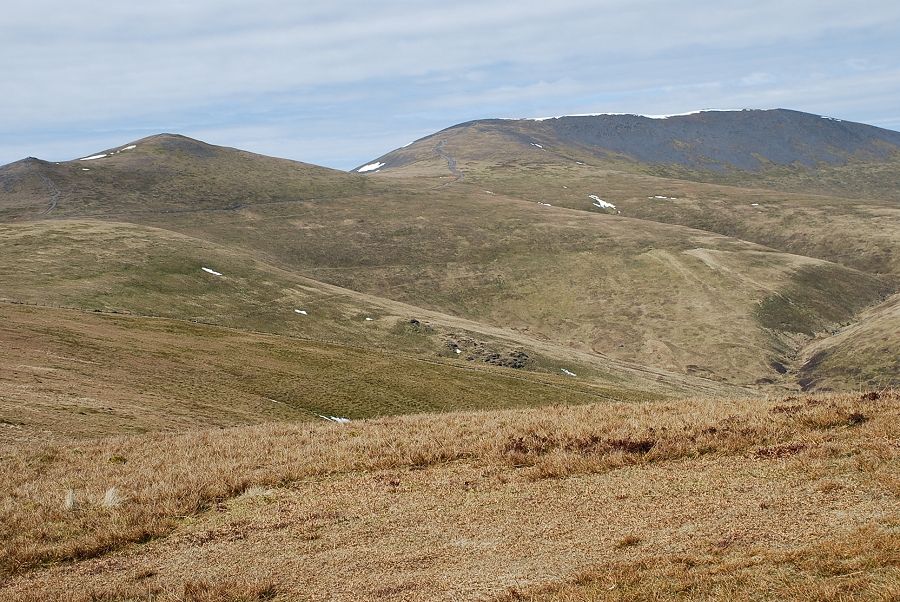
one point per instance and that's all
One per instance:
(664, 253)
(567, 358)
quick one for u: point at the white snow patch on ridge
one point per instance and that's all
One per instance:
(642, 115)
(568, 372)
(92, 157)
(129, 147)
(302, 312)
(537, 145)
(211, 271)
(598, 202)
(338, 419)
(370, 167)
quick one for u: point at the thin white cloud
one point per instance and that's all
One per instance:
(220, 66)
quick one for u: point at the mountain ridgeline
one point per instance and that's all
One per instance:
(570, 259)
(715, 141)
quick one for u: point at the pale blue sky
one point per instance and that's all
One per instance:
(338, 83)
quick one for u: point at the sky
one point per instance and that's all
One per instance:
(338, 83)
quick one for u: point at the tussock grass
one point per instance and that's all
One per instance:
(71, 501)
(197, 590)
(168, 477)
(863, 565)
(112, 498)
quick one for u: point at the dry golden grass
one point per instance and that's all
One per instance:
(862, 565)
(145, 590)
(430, 468)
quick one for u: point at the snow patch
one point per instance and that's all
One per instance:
(458, 350)
(85, 169)
(370, 167)
(92, 157)
(754, 204)
(337, 419)
(598, 202)
(368, 319)
(545, 204)
(537, 145)
(642, 115)
(567, 372)
(302, 312)
(211, 271)
(129, 147)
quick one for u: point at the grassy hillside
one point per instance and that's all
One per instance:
(666, 296)
(72, 374)
(859, 233)
(226, 377)
(794, 498)
(863, 353)
(124, 268)
(164, 173)
(826, 214)
(604, 283)
(781, 149)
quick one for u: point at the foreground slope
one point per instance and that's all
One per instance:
(779, 499)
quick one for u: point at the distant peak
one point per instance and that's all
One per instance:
(166, 136)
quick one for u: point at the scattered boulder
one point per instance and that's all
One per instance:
(480, 351)
(778, 367)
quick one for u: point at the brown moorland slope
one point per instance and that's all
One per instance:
(864, 352)
(675, 298)
(845, 213)
(68, 375)
(616, 501)
(107, 267)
